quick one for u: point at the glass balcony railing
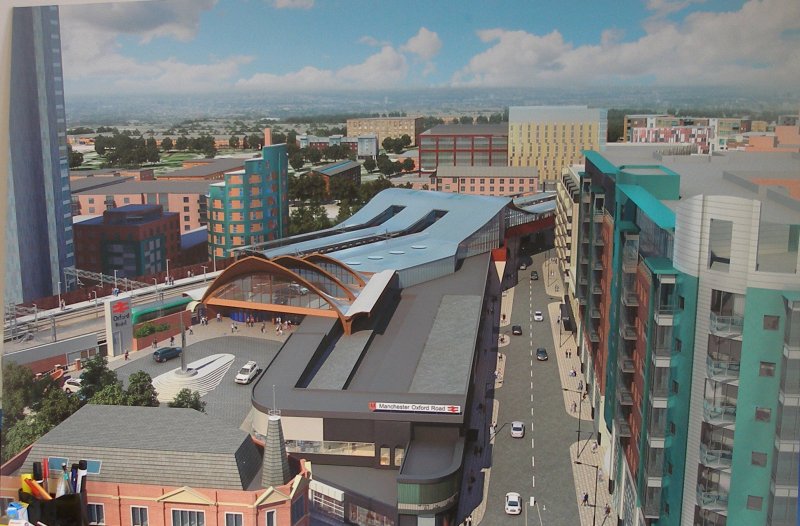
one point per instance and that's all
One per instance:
(623, 428)
(720, 367)
(628, 331)
(718, 412)
(715, 456)
(630, 259)
(630, 299)
(712, 497)
(624, 395)
(726, 325)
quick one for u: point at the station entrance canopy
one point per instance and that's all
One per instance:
(313, 285)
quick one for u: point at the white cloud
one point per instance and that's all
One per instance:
(703, 49)
(191, 78)
(386, 68)
(663, 8)
(425, 44)
(293, 4)
(372, 41)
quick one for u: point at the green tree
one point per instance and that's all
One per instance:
(245, 143)
(233, 142)
(297, 161)
(188, 399)
(313, 155)
(308, 218)
(496, 118)
(343, 189)
(56, 405)
(256, 141)
(141, 391)
(100, 144)
(166, 144)
(345, 211)
(481, 120)
(18, 391)
(369, 164)
(182, 143)
(151, 150)
(96, 375)
(405, 140)
(75, 158)
(466, 119)
(408, 164)
(111, 394)
(22, 434)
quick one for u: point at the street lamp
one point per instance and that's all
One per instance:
(580, 410)
(59, 295)
(167, 270)
(155, 281)
(115, 278)
(596, 476)
(204, 271)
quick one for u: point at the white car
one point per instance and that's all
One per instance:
(247, 373)
(71, 385)
(517, 429)
(538, 316)
(513, 503)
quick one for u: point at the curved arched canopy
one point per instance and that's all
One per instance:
(336, 268)
(316, 275)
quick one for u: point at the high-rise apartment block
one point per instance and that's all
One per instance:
(689, 301)
(552, 138)
(251, 205)
(700, 136)
(383, 127)
(463, 145)
(38, 184)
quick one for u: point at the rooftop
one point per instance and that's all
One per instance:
(337, 168)
(486, 171)
(468, 129)
(129, 185)
(207, 167)
(555, 114)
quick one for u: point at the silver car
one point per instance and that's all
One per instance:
(517, 429)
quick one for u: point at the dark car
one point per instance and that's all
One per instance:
(166, 353)
(516, 330)
(541, 354)
(534, 275)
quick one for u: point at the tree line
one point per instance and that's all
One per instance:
(32, 407)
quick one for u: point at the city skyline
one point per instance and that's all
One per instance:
(170, 46)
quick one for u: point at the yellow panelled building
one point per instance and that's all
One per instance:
(551, 138)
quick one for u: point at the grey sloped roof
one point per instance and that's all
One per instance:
(153, 445)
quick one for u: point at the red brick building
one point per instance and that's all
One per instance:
(129, 241)
(463, 145)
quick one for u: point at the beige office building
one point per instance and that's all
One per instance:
(551, 138)
(383, 127)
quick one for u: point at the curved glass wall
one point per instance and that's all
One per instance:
(267, 288)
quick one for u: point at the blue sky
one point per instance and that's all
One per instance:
(313, 45)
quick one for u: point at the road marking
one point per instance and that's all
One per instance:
(531, 443)
(533, 481)
(531, 385)
(531, 411)
(531, 373)
(533, 462)
(531, 363)
(531, 397)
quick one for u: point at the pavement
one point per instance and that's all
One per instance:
(592, 470)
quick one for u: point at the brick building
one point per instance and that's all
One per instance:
(383, 127)
(463, 145)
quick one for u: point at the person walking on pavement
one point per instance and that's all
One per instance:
(585, 499)
(607, 510)
(574, 406)
(172, 340)
(126, 355)
(219, 317)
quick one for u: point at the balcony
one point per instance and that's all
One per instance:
(712, 497)
(594, 312)
(716, 456)
(594, 336)
(597, 216)
(709, 518)
(623, 428)
(630, 299)
(721, 367)
(630, 259)
(624, 395)
(729, 326)
(628, 331)
(719, 412)
(626, 364)
(598, 241)
(596, 289)
(664, 315)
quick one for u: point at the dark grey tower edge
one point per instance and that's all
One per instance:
(275, 470)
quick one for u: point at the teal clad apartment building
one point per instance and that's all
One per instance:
(250, 206)
(686, 281)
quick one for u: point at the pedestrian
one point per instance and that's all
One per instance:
(574, 406)
(566, 353)
(191, 331)
(219, 317)
(595, 446)
(155, 343)
(585, 499)
(172, 340)
(580, 385)
(126, 355)
(263, 326)
(607, 510)
(585, 394)
(600, 475)
(572, 372)
(233, 328)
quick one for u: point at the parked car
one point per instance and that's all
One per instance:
(516, 330)
(538, 316)
(71, 385)
(247, 373)
(534, 275)
(517, 429)
(523, 266)
(166, 353)
(541, 354)
(513, 503)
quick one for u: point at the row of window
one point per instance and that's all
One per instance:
(139, 517)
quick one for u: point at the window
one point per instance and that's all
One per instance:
(681, 301)
(754, 503)
(758, 459)
(91, 200)
(763, 414)
(767, 369)
(399, 454)
(771, 322)
(185, 199)
(185, 208)
(269, 518)
(233, 519)
(126, 200)
(385, 454)
(675, 387)
(96, 514)
(188, 518)
(138, 516)
(678, 345)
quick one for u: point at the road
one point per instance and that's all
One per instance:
(539, 464)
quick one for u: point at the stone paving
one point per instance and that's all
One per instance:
(592, 458)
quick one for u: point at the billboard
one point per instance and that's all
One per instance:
(119, 327)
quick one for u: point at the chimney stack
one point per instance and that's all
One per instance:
(267, 136)
(275, 468)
